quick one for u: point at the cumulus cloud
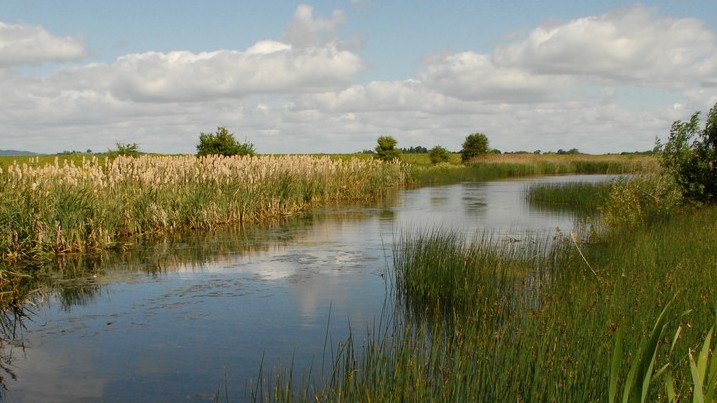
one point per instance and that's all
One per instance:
(33, 45)
(381, 96)
(631, 44)
(474, 76)
(181, 76)
(305, 29)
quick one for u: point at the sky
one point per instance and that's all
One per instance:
(331, 76)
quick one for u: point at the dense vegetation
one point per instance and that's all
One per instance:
(96, 204)
(690, 156)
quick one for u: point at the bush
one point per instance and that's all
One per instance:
(127, 150)
(639, 201)
(690, 156)
(222, 143)
(386, 149)
(439, 154)
(476, 144)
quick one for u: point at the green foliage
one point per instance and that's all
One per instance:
(476, 144)
(386, 149)
(439, 154)
(690, 156)
(639, 201)
(127, 150)
(222, 142)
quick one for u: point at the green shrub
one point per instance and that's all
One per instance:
(127, 150)
(640, 200)
(386, 149)
(476, 144)
(439, 154)
(222, 143)
(690, 155)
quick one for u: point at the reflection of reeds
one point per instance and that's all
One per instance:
(66, 207)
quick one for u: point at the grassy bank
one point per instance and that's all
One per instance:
(67, 207)
(539, 322)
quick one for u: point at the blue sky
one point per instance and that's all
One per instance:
(332, 76)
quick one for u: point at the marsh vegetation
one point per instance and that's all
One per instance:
(468, 318)
(622, 309)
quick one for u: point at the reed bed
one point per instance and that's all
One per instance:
(496, 166)
(66, 207)
(581, 197)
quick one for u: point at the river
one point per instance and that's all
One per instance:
(179, 320)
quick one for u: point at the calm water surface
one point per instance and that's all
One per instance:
(173, 321)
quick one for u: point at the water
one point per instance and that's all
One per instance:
(182, 319)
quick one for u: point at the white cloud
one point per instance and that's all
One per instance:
(306, 30)
(631, 44)
(33, 45)
(474, 76)
(180, 76)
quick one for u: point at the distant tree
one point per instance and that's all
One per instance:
(439, 154)
(386, 149)
(127, 150)
(476, 144)
(415, 150)
(690, 156)
(222, 142)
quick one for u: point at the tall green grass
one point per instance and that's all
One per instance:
(579, 197)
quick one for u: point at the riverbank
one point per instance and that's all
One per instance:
(530, 322)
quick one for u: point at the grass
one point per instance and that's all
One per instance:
(580, 197)
(479, 323)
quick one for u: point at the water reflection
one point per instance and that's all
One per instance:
(165, 319)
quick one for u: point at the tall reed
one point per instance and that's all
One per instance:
(99, 203)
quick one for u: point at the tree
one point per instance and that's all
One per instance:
(128, 150)
(690, 156)
(222, 142)
(476, 144)
(386, 149)
(439, 154)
